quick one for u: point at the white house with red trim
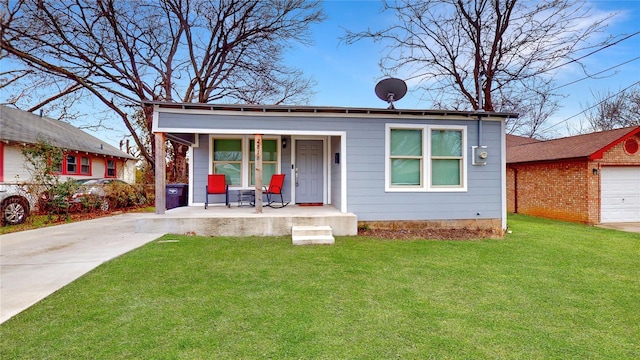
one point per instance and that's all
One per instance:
(85, 155)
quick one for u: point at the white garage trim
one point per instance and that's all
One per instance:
(620, 194)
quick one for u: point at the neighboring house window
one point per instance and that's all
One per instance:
(85, 165)
(235, 157)
(57, 167)
(72, 165)
(425, 158)
(111, 168)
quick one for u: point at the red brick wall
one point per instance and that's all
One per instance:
(555, 190)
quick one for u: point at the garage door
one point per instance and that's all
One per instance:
(620, 194)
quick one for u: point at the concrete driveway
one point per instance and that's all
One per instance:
(36, 263)
(626, 226)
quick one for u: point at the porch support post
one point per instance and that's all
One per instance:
(258, 172)
(160, 172)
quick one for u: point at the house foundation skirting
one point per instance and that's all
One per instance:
(493, 225)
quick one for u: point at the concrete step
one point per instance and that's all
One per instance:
(312, 235)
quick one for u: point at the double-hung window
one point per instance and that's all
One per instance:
(73, 167)
(269, 160)
(406, 157)
(56, 166)
(227, 159)
(111, 168)
(235, 157)
(85, 165)
(425, 158)
(446, 158)
(72, 164)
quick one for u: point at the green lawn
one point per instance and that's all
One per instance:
(549, 290)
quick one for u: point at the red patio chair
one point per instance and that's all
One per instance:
(217, 184)
(275, 188)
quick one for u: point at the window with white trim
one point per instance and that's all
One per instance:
(425, 158)
(406, 157)
(269, 160)
(227, 159)
(234, 156)
(446, 158)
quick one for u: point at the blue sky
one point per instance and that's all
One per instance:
(347, 74)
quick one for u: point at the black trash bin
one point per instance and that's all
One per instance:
(176, 195)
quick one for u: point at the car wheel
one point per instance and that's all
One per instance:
(14, 211)
(104, 205)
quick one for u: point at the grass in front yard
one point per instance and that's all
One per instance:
(548, 290)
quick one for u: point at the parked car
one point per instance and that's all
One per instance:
(106, 193)
(16, 203)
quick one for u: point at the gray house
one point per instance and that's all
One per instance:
(428, 167)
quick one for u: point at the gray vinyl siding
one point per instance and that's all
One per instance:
(201, 170)
(285, 168)
(336, 174)
(365, 157)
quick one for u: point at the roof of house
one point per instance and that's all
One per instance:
(591, 146)
(24, 127)
(515, 140)
(299, 109)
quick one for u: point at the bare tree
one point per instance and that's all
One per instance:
(507, 48)
(615, 110)
(126, 52)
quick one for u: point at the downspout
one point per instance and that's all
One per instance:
(479, 131)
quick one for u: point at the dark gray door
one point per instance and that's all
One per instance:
(308, 180)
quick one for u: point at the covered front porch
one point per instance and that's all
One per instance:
(218, 220)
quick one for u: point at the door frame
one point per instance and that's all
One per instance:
(326, 169)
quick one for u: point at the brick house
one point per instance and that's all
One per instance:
(592, 178)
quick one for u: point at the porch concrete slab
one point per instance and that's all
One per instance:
(244, 221)
(36, 263)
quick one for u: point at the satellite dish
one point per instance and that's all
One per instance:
(391, 90)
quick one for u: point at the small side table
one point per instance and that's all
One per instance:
(246, 198)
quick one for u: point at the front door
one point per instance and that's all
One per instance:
(308, 172)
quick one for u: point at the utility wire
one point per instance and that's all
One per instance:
(593, 52)
(598, 73)
(610, 97)
(589, 108)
